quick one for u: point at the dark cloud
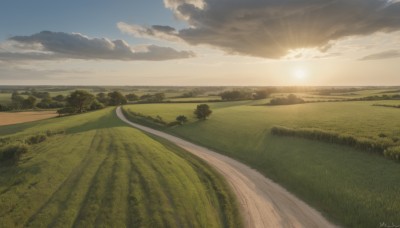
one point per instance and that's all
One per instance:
(269, 28)
(383, 55)
(59, 45)
(165, 29)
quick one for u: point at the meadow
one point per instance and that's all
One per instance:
(5, 98)
(353, 188)
(104, 173)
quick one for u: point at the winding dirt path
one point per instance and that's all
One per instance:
(263, 203)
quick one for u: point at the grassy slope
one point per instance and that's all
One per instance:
(353, 188)
(105, 173)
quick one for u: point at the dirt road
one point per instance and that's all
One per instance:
(263, 203)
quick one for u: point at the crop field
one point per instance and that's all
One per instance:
(200, 98)
(7, 118)
(351, 187)
(5, 98)
(103, 173)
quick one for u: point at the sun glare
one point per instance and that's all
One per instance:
(299, 73)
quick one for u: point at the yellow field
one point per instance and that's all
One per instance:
(7, 118)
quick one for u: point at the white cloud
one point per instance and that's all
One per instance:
(48, 45)
(271, 28)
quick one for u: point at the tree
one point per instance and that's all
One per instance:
(80, 101)
(132, 97)
(29, 102)
(181, 119)
(66, 110)
(261, 94)
(96, 105)
(59, 98)
(158, 97)
(17, 100)
(202, 111)
(235, 95)
(116, 98)
(102, 98)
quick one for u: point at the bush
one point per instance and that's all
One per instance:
(36, 139)
(361, 143)
(5, 140)
(290, 99)
(235, 95)
(393, 153)
(96, 105)
(5, 108)
(173, 123)
(13, 152)
(50, 133)
(181, 119)
(66, 111)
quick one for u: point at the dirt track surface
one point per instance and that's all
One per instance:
(263, 203)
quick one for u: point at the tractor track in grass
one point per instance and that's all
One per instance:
(262, 202)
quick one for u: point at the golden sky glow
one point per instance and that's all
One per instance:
(175, 47)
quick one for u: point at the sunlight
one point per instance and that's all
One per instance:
(300, 73)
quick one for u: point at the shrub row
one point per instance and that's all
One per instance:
(378, 146)
(12, 153)
(388, 106)
(157, 120)
(35, 139)
(290, 99)
(50, 133)
(393, 153)
(11, 149)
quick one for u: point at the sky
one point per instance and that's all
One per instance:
(200, 42)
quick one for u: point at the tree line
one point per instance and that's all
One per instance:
(202, 112)
(237, 95)
(76, 102)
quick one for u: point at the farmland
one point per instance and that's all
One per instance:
(351, 187)
(7, 118)
(101, 172)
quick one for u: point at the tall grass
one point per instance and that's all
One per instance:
(361, 143)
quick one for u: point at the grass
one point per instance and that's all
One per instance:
(103, 173)
(351, 188)
(5, 98)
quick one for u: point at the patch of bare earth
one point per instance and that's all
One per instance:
(8, 118)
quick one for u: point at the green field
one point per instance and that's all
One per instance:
(351, 187)
(103, 173)
(198, 99)
(5, 98)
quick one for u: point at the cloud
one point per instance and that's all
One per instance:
(17, 73)
(270, 28)
(383, 55)
(155, 31)
(48, 45)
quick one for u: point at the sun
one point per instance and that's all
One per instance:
(300, 73)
